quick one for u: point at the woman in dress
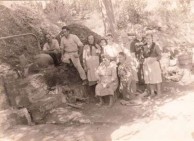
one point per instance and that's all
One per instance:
(91, 59)
(107, 80)
(151, 66)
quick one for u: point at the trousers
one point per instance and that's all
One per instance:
(74, 57)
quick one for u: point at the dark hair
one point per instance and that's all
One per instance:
(92, 36)
(65, 27)
(109, 34)
(103, 39)
(123, 54)
(47, 34)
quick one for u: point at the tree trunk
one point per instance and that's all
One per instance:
(108, 17)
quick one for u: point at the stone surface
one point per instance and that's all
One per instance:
(4, 104)
(11, 117)
(65, 116)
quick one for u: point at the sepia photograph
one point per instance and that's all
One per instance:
(96, 70)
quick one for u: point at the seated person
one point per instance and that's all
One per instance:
(107, 80)
(52, 48)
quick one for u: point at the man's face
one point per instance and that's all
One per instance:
(65, 32)
(149, 39)
(48, 38)
(139, 35)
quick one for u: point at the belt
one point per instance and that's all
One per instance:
(71, 51)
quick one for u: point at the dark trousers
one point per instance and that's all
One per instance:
(140, 74)
(56, 58)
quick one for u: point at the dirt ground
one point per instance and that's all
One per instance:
(165, 118)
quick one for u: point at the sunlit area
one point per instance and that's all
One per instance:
(171, 121)
(97, 70)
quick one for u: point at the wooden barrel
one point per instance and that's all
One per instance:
(185, 60)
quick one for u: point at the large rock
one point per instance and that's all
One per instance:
(11, 48)
(4, 103)
(12, 117)
(82, 32)
(16, 93)
(40, 109)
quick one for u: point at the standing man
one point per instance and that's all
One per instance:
(70, 44)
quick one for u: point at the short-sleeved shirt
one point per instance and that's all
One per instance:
(71, 43)
(54, 45)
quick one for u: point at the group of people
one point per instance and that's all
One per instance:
(110, 66)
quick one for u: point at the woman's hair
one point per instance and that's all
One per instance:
(103, 39)
(109, 34)
(45, 34)
(123, 54)
(65, 27)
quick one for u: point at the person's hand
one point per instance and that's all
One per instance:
(139, 44)
(55, 51)
(86, 69)
(76, 55)
(107, 86)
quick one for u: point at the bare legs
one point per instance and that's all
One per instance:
(102, 102)
(151, 86)
(152, 89)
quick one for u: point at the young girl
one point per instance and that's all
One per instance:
(127, 76)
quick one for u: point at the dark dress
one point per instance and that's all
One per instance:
(137, 47)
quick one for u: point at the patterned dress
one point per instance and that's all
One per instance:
(108, 81)
(125, 73)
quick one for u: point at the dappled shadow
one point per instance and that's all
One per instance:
(165, 114)
(171, 118)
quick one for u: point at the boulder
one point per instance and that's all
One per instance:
(82, 32)
(12, 117)
(4, 103)
(40, 109)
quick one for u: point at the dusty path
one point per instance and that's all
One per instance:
(168, 118)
